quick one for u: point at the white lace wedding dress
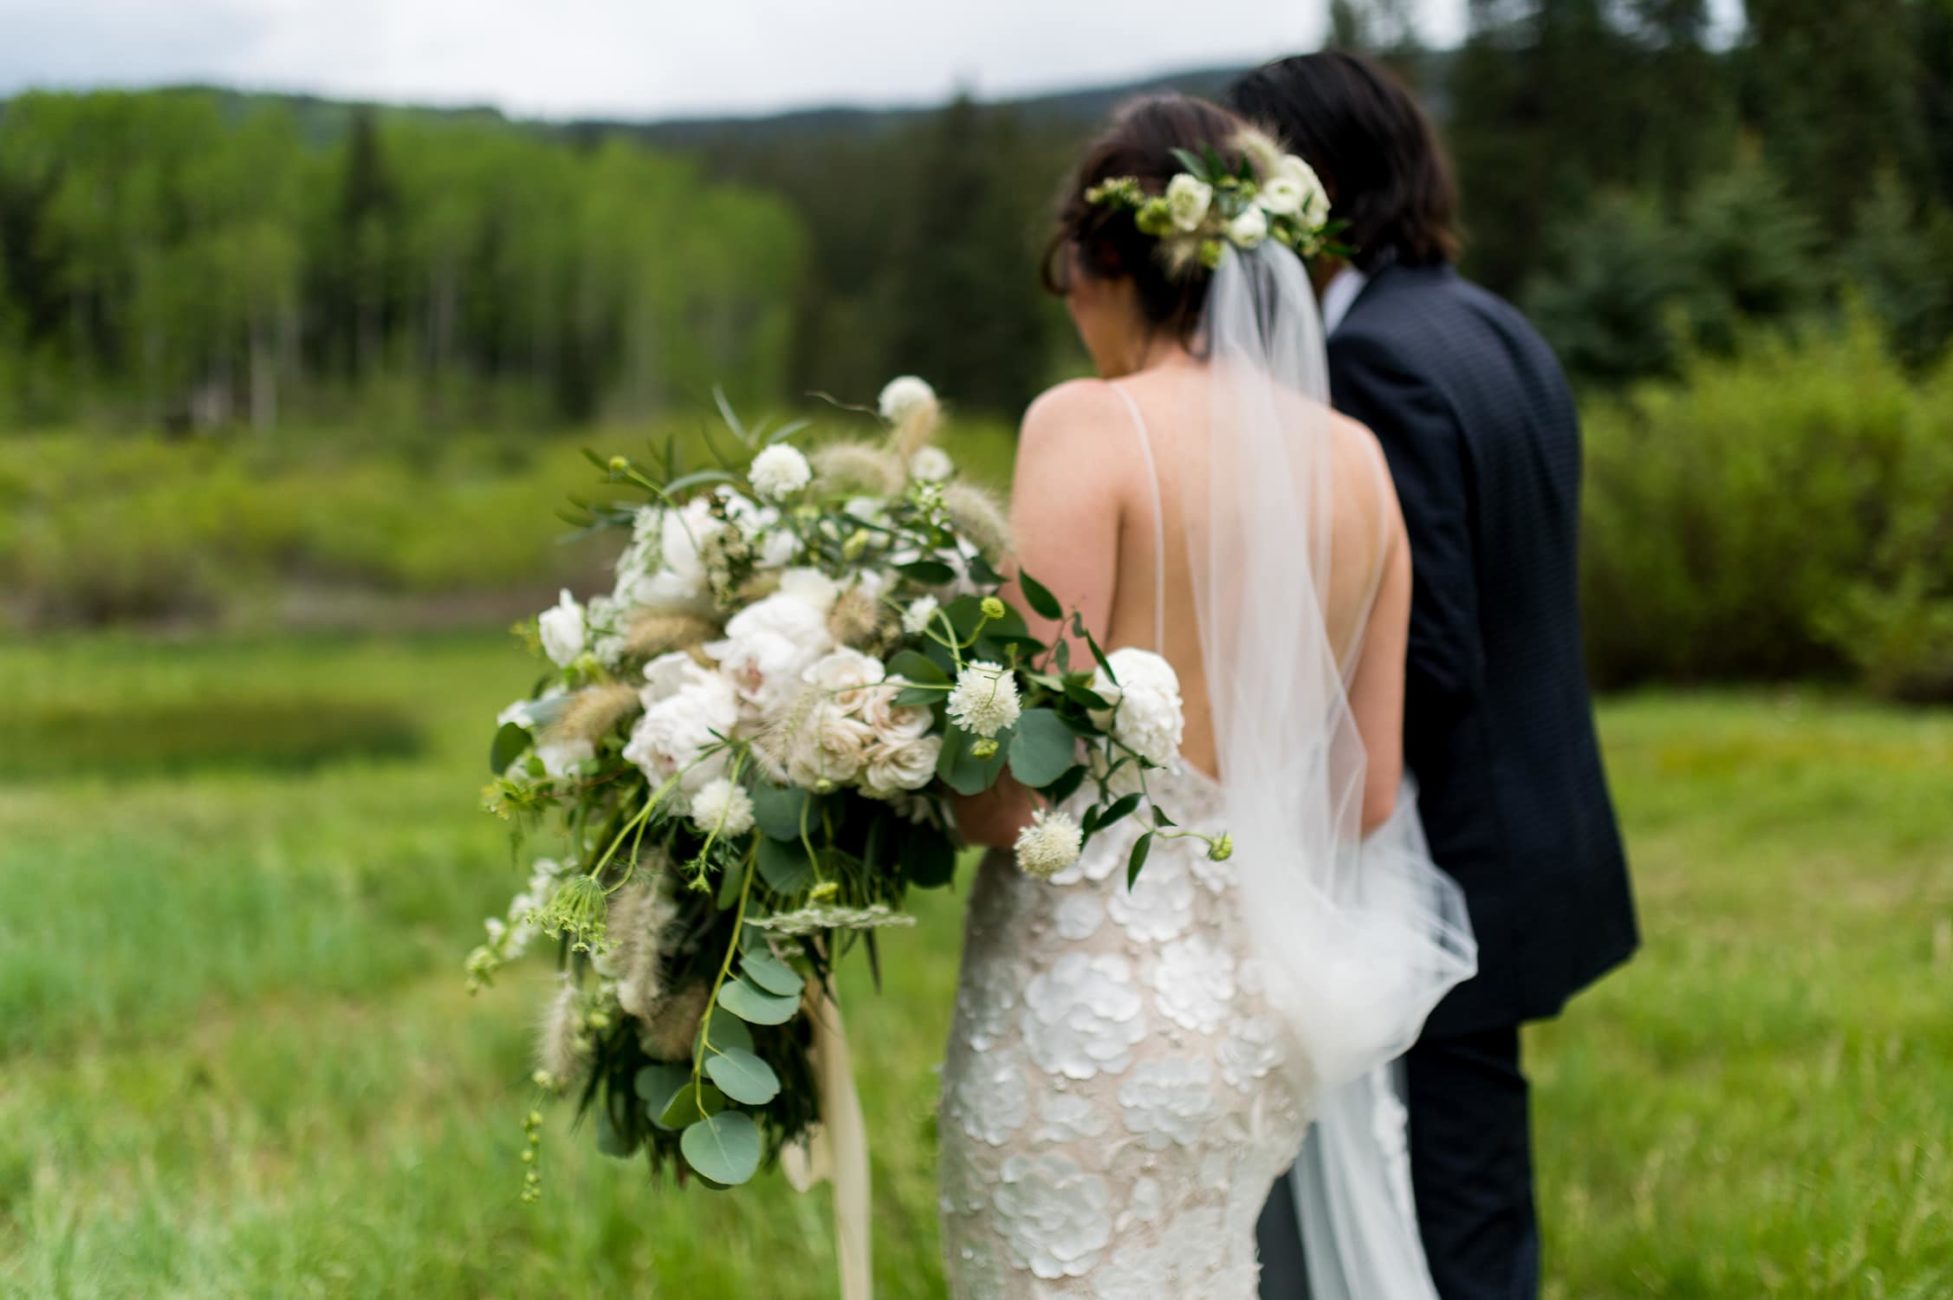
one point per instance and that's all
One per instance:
(1113, 1114)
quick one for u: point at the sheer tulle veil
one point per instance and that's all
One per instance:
(1358, 938)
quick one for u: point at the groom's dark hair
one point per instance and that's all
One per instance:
(1377, 154)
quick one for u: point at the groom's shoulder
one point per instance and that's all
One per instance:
(1428, 317)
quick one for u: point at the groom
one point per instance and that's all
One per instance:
(1479, 428)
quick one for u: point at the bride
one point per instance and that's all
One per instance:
(1131, 1068)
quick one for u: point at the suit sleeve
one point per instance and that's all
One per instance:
(1446, 662)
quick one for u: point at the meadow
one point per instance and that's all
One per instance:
(237, 1057)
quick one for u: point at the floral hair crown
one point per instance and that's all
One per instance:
(1269, 195)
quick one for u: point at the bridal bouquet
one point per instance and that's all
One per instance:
(748, 750)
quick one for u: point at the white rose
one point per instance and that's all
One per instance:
(894, 723)
(1187, 200)
(1313, 207)
(931, 465)
(828, 746)
(844, 675)
(903, 396)
(779, 471)
(672, 734)
(896, 768)
(1248, 229)
(722, 808)
(666, 675)
(664, 565)
(811, 587)
(768, 645)
(561, 630)
(1147, 716)
(1281, 196)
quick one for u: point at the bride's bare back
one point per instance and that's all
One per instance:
(1084, 512)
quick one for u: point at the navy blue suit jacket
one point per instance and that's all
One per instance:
(1483, 441)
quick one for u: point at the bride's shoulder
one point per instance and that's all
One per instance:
(1073, 409)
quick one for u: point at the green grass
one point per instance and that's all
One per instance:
(236, 1058)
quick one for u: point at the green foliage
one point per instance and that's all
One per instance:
(1777, 514)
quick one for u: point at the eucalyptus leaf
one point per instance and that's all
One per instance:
(727, 1032)
(724, 1148)
(511, 740)
(771, 974)
(743, 1077)
(1042, 748)
(658, 1083)
(784, 866)
(777, 809)
(965, 773)
(731, 883)
(756, 1006)
(688, 1103)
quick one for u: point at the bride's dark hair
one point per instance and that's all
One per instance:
(1139, 143)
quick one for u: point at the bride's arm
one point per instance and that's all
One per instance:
(1065, 515)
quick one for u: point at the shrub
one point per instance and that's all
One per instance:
(1777, 514)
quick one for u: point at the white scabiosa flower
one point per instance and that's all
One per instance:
(1187, 200)
(984, 700)
(916, 617)
(1248, 229)
(779, 472)
(722, 808)
(931, 465)
(561, 629)
(1048, 845)
(905, 396)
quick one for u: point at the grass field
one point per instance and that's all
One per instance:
(237, 1059)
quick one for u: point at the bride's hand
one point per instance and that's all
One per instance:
(993, 818)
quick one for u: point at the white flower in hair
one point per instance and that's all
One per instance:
(561, 629)
(722, 808)
(931, 465)
(984, 700)
(1248, 229)
(1048, 845)
(1312, 203)
(1187, 200)
(779, 472)
(904, 396)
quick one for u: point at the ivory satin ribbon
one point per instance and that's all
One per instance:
(838, 1148)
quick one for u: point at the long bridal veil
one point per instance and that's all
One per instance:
(1357, 938)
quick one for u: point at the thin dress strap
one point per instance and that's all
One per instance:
(1159, 521)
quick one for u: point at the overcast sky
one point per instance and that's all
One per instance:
(638, 58)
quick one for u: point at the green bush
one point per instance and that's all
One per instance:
(1778, 514)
